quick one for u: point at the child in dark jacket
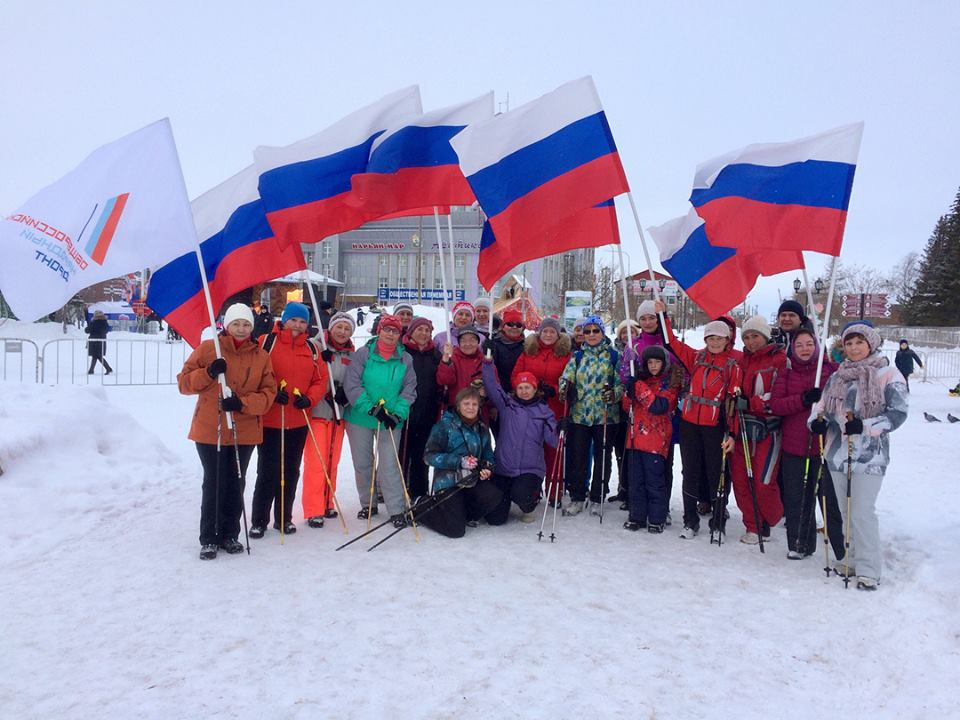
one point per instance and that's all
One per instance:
(526, 424)
(653, 395)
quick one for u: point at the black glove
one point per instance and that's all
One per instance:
(853, 427)
(326, 355)
(217, 367)
(283, 397)
(302, 402)
(231, 404)
(387, 418)
(819, 426)
(741, 404)
(606, 395)
(341, 397)
(564, 423)
(811, 396)
(546, 390)
(631, 388)
(487, 345)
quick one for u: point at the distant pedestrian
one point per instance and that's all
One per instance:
(905, 359)
(97, 329)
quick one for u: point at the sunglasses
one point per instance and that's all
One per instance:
(595, 331)
(513, 324)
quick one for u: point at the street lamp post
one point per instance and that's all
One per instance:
(419, 246)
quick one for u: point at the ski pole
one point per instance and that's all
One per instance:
(283, 452)
(242, 482)
(805, 506)
(718, 508)
(376, 460)
(425, 512)
(403, 484)
(823, 510)
(546, 484)
(846, 532)
(323, 465)
(603, 457)
(561, 448)
(748, 461)
(216, 494)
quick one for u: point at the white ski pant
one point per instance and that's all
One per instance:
(388, 473)
(864, 524)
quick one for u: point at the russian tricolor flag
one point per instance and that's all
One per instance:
(537, 167)
(715, 278)
(413, 164)
(239, 251)
(305, 187)
(784, 196)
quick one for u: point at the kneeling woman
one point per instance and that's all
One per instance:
(460, 450)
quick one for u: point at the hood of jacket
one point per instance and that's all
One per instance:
(561, 348)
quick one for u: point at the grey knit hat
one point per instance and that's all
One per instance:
(343, 317)
(549, 322)
(870, 334)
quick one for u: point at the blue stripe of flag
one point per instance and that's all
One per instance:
(813, 183)
(526, 169)
(696, 258)
(415, 147)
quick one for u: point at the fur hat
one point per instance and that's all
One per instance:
(717, 328)
(419, 322)
(514, 316)
(549, 322)
(647, 307)
(464, 305)
(794, 307)
(237, 311)
(401, 305)
(865, 328)
(391, 321)
(342, 317)
(651, 352)
(756, 324)
(634, 327)
(295, 310)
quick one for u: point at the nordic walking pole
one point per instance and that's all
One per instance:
(748, 461)
(846, 532)
(403, 484)
(718, 508)
(242, 481)
(216, 493)
(326, 474)
(376, 460)
(558, 461)
(546, 484)
(427, 511)
(603, 458)
(823, 511)
(283, 452)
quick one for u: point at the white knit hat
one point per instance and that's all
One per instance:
(237, 311)
(482, 301)
(756, 324)
(647, 307)
(717, 328)
(634, 327)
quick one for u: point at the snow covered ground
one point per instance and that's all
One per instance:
(108, 613)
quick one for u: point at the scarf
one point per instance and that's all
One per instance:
(385, 351)
(866, 374)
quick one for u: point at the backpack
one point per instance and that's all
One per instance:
(271, 339)
(613, 355)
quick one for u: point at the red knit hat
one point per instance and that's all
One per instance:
(464, 305)
(391, 321)
(526, 377)
(514, 316)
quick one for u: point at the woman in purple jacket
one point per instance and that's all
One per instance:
(792, 397)
(526, 423)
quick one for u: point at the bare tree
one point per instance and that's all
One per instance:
(904, 276)
(856, 279)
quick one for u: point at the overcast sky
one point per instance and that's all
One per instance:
(680, 81)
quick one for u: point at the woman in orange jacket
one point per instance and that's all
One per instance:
(252, 385)
(303, 383)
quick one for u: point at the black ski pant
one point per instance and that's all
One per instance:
(415, 471)
(218, 524)
(799, 506)
(451, 512)
(267, 491)
(579, 439)
(524, 490)
(702, 456)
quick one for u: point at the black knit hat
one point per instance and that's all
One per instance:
(794, 307)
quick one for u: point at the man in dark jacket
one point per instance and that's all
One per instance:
(507, 345)
(97, 329)
(905, 359)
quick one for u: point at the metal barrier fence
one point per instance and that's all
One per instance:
(66, 361)
(941, 337)
(937, 364)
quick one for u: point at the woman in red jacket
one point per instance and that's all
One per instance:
(714, 378)
(545, 355)
(794, 393)
(294, 360)
(460, 366)
(761, 363)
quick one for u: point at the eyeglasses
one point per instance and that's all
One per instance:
(595, 331)
(390, 330)
(513, 324)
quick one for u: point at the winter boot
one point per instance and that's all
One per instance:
(331, 513)
(688, 533)
(574, 508)
(399, 520)
(750, 538)
(867, 583)
(794, 555)
(366, 513)
(632, 526)
(654, 528)
(208, 552)
(232, 546)
(288, 527)
(315, 522)
(257, 532)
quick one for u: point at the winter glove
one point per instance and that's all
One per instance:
(564, 423)
(546, 390)
(487, 346)
(217, 367)
(327, 355)
(341, 397)
(853, 427)
(231, 404)
(819, 426)
(811, 396)
(476, 383)
(741, 404)
(607, 395)
(283, 397)
(468, 462)
(631, 388)
(387, 418)
(302, 402)
(571, 393)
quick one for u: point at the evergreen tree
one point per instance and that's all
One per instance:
(936, 299)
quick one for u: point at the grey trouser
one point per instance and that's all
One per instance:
(864, 524)
(388, 473)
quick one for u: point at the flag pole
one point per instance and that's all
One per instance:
(305, 274)
(826, 319)
(653, 281)
(453, 262)
(812, 309)
(443, 272)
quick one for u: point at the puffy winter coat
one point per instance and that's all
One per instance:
(249, 377)
(547, 363)
(713, 379)
(785, 401)
(904, 361)
(337, 368)
(524, 428)
(459, 372)
(871, 450)
(292, 360)
(653, 400)
(97, 330)
(371, 378)
(505, 355)
(426, 409)
(450, 441)
(587, 371)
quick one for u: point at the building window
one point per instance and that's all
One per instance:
(308, 257)
(459, 285)
(326, 247)
(459, 262)
(383, 282)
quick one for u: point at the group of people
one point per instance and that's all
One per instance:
(509, 418)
